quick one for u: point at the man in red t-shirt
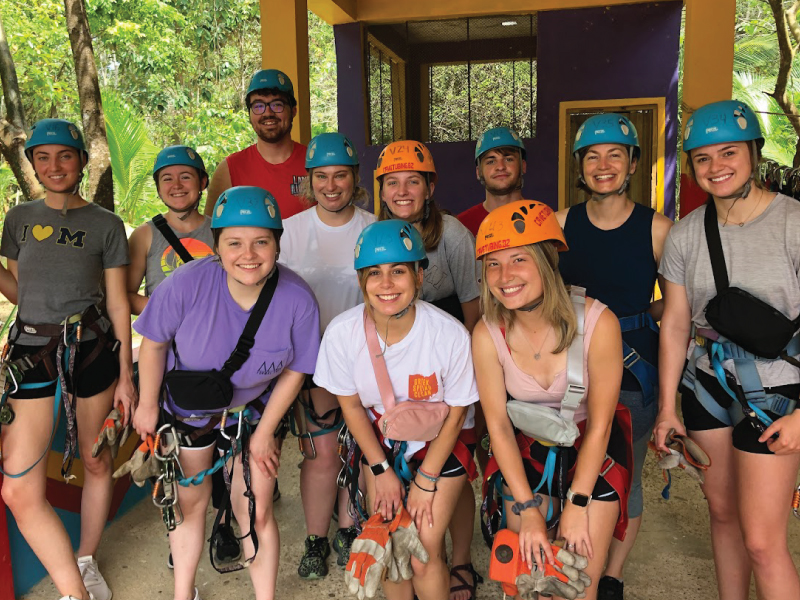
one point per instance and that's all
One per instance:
(275, 162)
(499, 166)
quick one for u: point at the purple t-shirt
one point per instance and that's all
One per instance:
(194, 307)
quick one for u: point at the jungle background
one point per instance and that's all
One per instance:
(175, 71)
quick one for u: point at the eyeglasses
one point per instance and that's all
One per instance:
(259, 108)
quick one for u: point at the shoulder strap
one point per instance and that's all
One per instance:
(576, 387)
(248, 337)
(715, 247)
(378, 363)
(161, 224)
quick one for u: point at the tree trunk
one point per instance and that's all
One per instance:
(100, 184)
(786, 28)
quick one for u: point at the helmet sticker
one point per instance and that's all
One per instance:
(191, 154)
(349, 149)
(220, 208)
(741, 120)
(358, 248)
(281, 79)
(73, 132)
(580, 133)
(514, 134)
(270, 207)
(519, 222)
(408, 244)
(404, 235)
(420, 155)
(688, 131)
(311, 152)
(625, 129)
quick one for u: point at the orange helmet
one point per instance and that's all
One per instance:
(406, 155)
(517, 224)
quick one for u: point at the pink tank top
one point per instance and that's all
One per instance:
(524, 387)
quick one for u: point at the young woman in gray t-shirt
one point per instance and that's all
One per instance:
(760, 236)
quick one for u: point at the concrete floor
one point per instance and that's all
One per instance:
(671, 560)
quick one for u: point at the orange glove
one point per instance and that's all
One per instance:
(113, 434)
(405, 544)
(370, 557)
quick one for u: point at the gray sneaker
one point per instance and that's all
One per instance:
(95, 583)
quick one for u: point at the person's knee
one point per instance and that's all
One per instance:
(423, 570)
(20, 499)
(722, 509)
(99, 466)
(264, 514)
(327, 456)
(762, 547)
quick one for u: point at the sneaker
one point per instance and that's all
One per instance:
(276, 493)
(92, 579)
(609, 588)
(196, 594)
(313, 565)
(170, 566)
(226, 546)
(342, 542)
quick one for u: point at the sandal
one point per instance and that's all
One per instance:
(464, 586)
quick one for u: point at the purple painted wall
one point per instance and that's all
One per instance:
(588, 54)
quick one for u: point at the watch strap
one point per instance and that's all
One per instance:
(380, 468)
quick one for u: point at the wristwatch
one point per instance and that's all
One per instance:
(379, 468)
(581, 500)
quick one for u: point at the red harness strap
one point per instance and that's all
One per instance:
(460, 450)
(616, 475)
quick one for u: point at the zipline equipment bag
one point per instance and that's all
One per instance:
(735, 313)
(212, 391)
(406, 421)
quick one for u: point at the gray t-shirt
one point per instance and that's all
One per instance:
(762, 257)
(60, 260)
(162, 258)
(452, 266)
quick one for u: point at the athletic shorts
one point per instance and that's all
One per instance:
(745, 436)
(452, 467)
(95, 378)
(208, 439)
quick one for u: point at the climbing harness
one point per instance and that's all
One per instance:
(165, 486)
(65, 338)
(302, 412)
(645, 373)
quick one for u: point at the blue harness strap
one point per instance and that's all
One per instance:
(744, 363)
(645, 373)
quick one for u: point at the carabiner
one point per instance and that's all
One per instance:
(796, 502)
(222, 423)
(311, 443)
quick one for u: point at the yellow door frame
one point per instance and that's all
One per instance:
(615, 105)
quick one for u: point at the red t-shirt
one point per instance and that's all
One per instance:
(473, 217)
(248, 167)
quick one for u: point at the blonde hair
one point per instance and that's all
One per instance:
(755, 161)
(360, 195)
(556, 303)
(432, 223)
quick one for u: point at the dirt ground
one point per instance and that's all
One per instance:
(671, 560)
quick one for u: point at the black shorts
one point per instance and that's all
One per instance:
(452, 467)
(745, 436)
(208, 439)
(602, 491)
(96, 377)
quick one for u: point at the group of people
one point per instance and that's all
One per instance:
(510, 338)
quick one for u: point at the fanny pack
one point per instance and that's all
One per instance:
(548, 425)
(735, 313)
(406, 421)
(209, 392)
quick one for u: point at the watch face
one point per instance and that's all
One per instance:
(580, 500)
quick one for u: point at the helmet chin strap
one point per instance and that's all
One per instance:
(743, 192)
(532, 306)
(183, 213)
(599, 197)
(336, 212)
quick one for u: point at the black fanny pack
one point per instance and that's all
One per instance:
(212, 391)
(738, 315)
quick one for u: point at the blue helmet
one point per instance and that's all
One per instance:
(271, 79)
(327, 149)
(55, 131)
(179, 155)
(719, 122)
(498, 137)
(607, 128)
(392, 241)
(246, 206)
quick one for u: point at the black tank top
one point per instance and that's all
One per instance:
(618, 268)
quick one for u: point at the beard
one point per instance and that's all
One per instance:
(274, 135)
(502, 190)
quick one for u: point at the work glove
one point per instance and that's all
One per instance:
(565, 578)
(113, 434)
(142, 466)
(686, 454)
(405, 544)
(370, 558)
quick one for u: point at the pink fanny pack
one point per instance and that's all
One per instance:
(406, 421)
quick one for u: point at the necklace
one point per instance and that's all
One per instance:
(741, 223)
(537, 354)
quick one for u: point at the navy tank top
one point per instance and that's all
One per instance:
(618, 268)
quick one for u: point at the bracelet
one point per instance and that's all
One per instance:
(430, 477)
(518, 507)
(422, 488)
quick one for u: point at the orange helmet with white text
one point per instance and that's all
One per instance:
(406, 155)
(519, 223)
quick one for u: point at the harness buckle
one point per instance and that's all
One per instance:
(611, 463)
(637, 358)
(574, 388)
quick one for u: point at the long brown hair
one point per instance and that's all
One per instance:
(556, 304)
(432, 220)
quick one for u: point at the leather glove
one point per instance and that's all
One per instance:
(113, 434)
(142, 465)
(405, 544)
(564, 578)
(370, 557)
(686, 454)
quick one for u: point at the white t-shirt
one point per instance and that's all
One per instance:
(323, 256)
(432, 363)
